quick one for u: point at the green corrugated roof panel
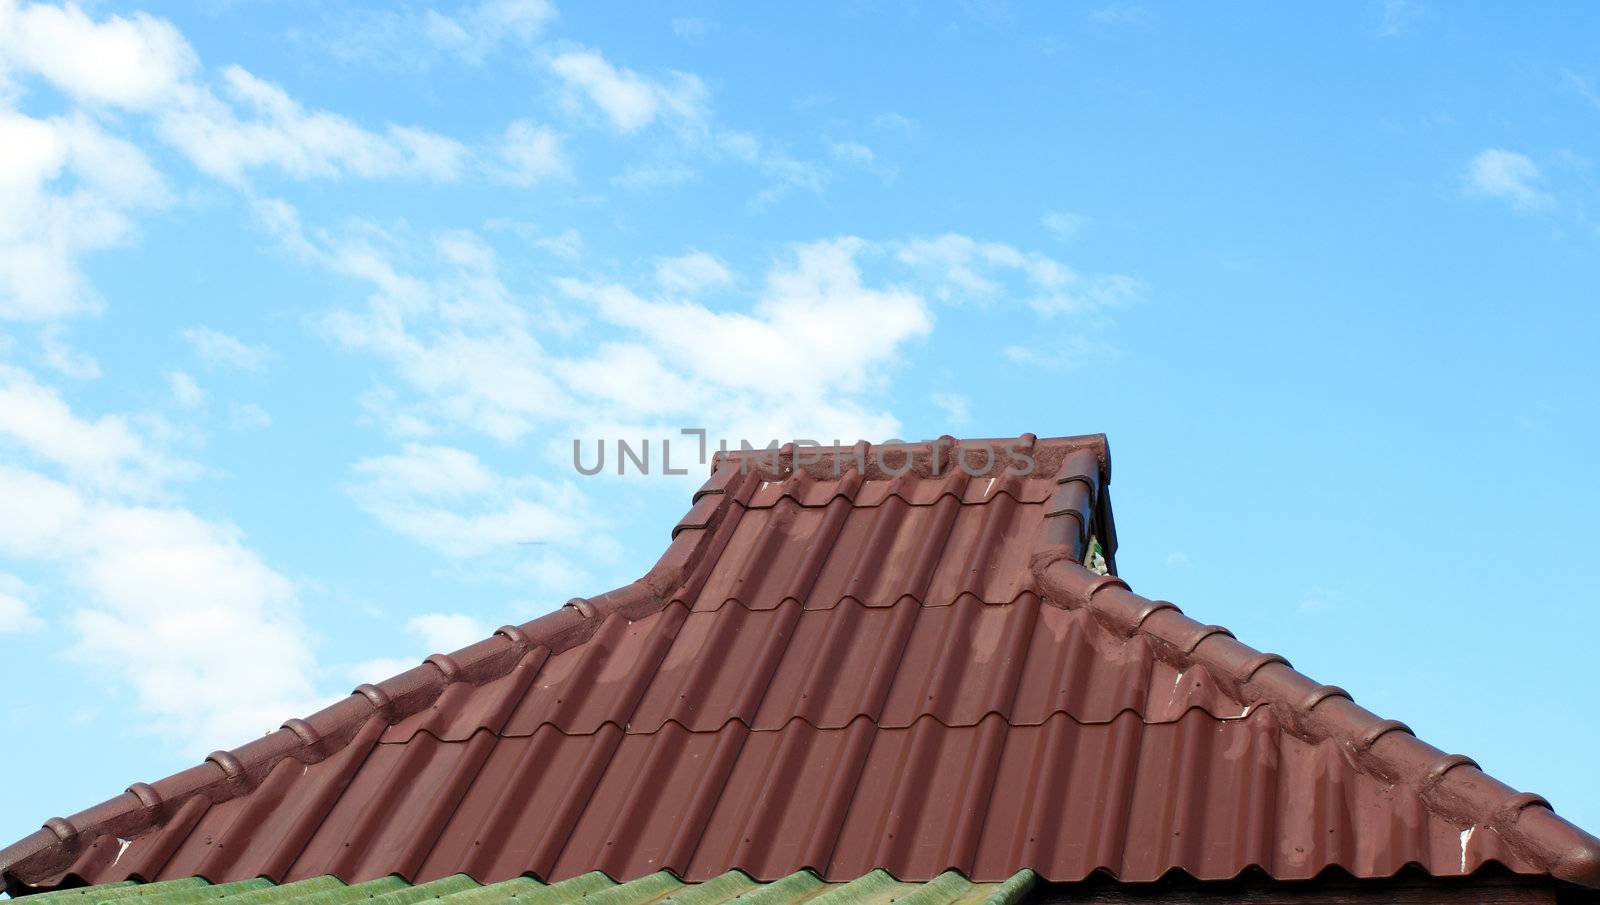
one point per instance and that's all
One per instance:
(732, 888)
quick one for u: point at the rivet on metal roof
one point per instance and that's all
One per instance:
(446, 665)
(62, 827)
(146, 794)
(303, 730)
(230, 765)
(1445, 765)
(1249, 670)
(1322, 693)
(377, 696)
(1378, 730)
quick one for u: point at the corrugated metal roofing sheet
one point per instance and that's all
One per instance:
(839, 665)
(662, 888)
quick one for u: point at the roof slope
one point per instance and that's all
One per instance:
(845, 661)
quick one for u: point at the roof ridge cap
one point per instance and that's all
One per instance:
(924, 458)
(1451, 786)
(229, 773)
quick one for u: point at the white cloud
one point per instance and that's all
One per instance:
(791, 330)
(220, 350)
(467, 351)
(106, 453)
(1583, 87)
(853, 152)
(185, 391)
(531, 153)
(1063, 354)
(62, 358)
(567, 244)
(653, 175)
(448, 500)
(135, 62)
(629, 100)
(1120, 14)
(174, 607)
(304, 144)
(963, 269)
(957, 409)
(481, 28)
(446, 632)
(1063, 225)
(1398, 15)
(15, 614)
(897, 122)
(459, 339)
(692, 28)
(788, 173)
(435, 633)
(692, 273)
(66, 188)
(1507, 176)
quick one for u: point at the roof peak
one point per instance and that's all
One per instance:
(1022, 456)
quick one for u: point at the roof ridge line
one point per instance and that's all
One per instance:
(960, 599)
(1450, 785)
(980, 719)
(229, 773)
(924, 457)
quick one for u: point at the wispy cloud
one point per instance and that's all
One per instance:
(1507, 176)
(67, 188)
(107, 453)
(186, 391)
(219, 350)
(1120, 14)
(264, 127)
(692, 273)
(447, 500)
(963, 269)
(1583, 86)
(1398, 17)
(957, 409)
(531, 153)
(480, 28)
(403, 35)
(1066, 353)
(16, 615)
(1063, 225)
(692, 28)
(432, 633)
(853, 152)
(174, 607)
(629, 100)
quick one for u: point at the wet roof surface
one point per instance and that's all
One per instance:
(850, 664)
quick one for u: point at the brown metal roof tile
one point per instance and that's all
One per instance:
(848, 659)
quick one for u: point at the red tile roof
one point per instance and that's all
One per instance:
(845, 660)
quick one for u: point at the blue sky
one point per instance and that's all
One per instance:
(301, 309)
